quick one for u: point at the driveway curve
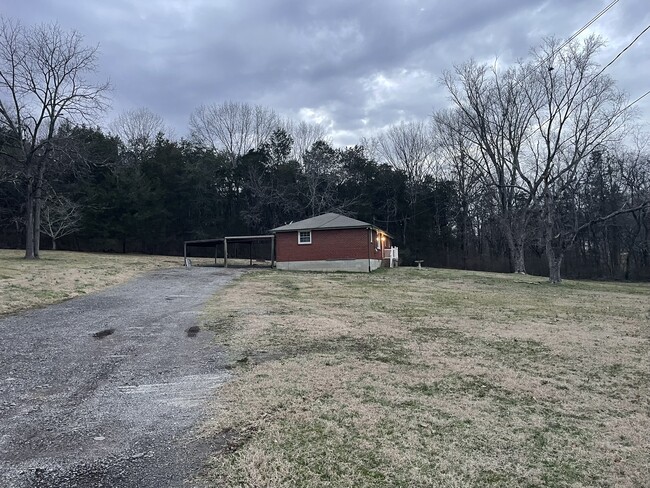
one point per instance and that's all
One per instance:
(105, 390)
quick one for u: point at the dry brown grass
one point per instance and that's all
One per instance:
(432, 378)
(59, 275)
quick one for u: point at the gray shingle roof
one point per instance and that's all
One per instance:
(325, 221)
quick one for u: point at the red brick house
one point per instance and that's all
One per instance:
(332, 242)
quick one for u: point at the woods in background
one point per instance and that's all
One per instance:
(105, 196)
(535, 168)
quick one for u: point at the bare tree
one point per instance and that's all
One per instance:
(43, 83)
(370, 149)
(576, 110)
(494, 116)
(138, 128)
(61, 217)
(233, 127)
(304, 135)
(407, 147)
(457, 155)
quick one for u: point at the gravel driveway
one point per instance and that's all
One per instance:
(83, 407)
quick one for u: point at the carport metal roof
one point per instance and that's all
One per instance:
(224, 241)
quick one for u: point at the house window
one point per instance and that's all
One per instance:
(304, 237)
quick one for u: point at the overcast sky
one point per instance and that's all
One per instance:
(354, 66)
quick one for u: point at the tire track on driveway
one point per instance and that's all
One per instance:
(105, 390)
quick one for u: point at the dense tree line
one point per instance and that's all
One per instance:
(151, 198)
(531, 169)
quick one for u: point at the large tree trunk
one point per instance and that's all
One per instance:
(516, 247)
(29, 221)
(519, 263)
(53, 244)
(554, 265)
(554, 259)
(465, 226)
(38, 204)
(37, 223)
(464, 250)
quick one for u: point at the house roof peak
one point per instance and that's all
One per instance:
(328, 220)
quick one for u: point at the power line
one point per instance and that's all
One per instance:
(553, 52)
(584, 87)
(579, 31)
(544, 61)
(588, 24)
(434, 196)
(624, 49)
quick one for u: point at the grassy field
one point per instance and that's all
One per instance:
(60, 275)
(431, 378)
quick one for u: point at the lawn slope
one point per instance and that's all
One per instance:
(59, 275)
(431, 378)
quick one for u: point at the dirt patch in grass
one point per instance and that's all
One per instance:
(432, 378)
(60, 275)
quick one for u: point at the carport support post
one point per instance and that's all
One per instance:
(225, 252)
(250, 252)
(216, 248)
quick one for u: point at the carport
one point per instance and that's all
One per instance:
(223, 242)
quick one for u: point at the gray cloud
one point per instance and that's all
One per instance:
(356, 66)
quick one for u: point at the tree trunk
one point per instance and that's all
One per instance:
(38, 204)
(519, 263)
(29, 221)
(53, 244)
(554, 259)
(554, 265)
(37, 224)
(516, 248)
(465, 226)
(19, 242)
